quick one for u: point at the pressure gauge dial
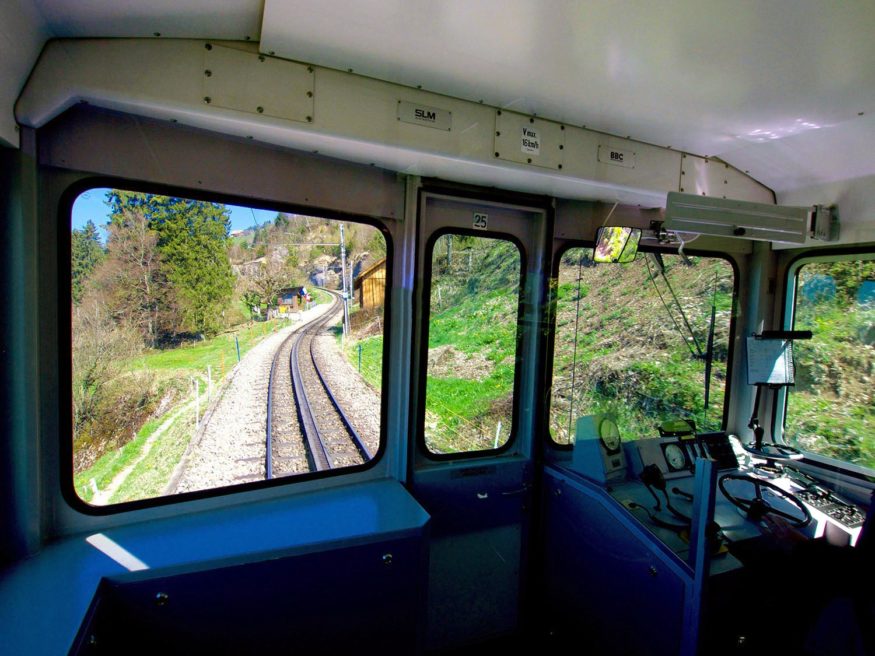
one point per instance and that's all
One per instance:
(674, 456)
(609, 435)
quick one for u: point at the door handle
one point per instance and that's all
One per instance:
(525, 488)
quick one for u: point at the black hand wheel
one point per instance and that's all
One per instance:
(757, 507)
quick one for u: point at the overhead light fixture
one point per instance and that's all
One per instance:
(742, 219)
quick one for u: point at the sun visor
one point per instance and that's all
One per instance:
(746, 220)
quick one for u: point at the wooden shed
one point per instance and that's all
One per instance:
(371, 286)
(290, 299)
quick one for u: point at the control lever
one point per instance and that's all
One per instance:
(656, 520)
(681, 493)
(652, 475)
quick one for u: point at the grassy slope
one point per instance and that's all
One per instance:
(174, 369)
(464, 411)
(630, 360)
(831, 408)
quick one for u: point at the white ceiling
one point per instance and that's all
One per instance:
(784, 89)
(238, 20)
(767, 85)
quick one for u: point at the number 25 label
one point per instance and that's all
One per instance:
(480, 221)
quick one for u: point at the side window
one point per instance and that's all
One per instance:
(472, 342)
(646, 341)
(197, 332)
(831, 409)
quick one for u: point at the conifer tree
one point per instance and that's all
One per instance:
(86, 252)
(192, 239)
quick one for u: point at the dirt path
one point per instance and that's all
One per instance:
(102, 497)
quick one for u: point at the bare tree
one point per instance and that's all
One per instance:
(100, 349)
(131, 281)
(272, 276)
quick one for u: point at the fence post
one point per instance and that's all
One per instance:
(237, 343)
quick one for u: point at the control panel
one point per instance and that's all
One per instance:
(845, 514)
(675, 455)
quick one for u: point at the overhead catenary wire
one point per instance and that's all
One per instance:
(697, 352)
(709, 353)
(574, 352)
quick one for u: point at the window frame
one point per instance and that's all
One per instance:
(510, 443)
(788, 318)
(551, 337)
(65, 334)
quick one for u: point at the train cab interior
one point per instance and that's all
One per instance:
(607, 279)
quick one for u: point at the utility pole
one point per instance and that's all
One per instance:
(343, 280)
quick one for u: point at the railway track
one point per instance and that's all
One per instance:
(304, 417)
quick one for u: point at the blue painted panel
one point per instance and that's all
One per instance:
(608, 590)
(479, 513)
(44, 599)
(474, 496)
(331, 602)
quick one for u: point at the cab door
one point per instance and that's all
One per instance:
(480, 289)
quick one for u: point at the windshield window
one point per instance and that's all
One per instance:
(208, 340)
(635, 341)
(831, 408)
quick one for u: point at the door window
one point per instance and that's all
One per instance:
(472, 343)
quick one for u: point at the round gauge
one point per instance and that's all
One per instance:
(674, 456)
(609, 435)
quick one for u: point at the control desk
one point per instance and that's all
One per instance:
(773, 535)
(653, 479)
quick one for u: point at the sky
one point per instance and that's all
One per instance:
(90, 205)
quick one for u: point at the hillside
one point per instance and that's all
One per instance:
(471, 344)
(831, 409)
(618, 347)
(633, 342)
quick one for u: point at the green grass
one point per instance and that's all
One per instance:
(152, 473)
(371, 360)
(111, 464)
(320, 296)
(218, 352)
(482, 323)
(175, 368)
(463, 413)
(830, 409)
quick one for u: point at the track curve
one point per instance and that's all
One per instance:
(327, 433)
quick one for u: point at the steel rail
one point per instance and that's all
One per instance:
(317, 450)
(268, 456)
(317, 455)
(363, 450)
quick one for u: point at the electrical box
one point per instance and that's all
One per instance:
(598, 450)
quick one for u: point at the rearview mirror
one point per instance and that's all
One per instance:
(615, 244)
